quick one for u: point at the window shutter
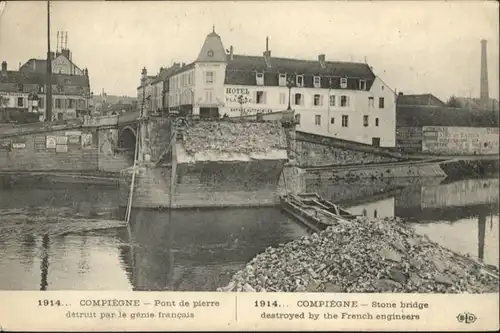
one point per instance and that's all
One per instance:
(264, 98)
(321, 100)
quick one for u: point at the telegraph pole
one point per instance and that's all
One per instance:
(48, 82)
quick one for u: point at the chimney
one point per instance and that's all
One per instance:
(66, 53)
(321, 59)
(484, 94)
(4, 66)
(267, 54)
(231, 50)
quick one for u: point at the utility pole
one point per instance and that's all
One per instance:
(48, 82)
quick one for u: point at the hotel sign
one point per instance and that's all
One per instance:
(233, 95)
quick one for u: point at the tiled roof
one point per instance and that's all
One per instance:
(417, 116)
(165, 73)
(40, 65)
(422, 99)
(241, 70)
(16, 81)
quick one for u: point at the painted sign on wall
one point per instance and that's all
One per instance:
(86, 140)
(51, 142)
(460, 140)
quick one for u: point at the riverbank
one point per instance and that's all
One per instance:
(364, 255)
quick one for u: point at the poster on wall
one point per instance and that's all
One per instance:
(40, 143)
(18, 145)
(61, 149)
(62, 140)
(51, 142)
(74, 139)
(86, 140)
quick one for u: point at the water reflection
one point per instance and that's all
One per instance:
(200, 249)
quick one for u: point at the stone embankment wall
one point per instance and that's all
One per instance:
(216, 164)
(84, 149)
(314, 150)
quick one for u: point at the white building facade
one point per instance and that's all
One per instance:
(344, 100)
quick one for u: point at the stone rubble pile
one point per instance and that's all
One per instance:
(232, 137)
(361, 256)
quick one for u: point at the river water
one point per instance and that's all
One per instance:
(200, 249)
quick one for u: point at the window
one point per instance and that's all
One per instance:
(362, 84)
(332, 120)
(260, 79)
(58, 103)
(260, 97)
(317, 82)
(209, 77)
(376, 122)
(345, 121)
(298, 99)
(20, 102)
(371, 102)
(71, 103)
(300, 80)
(343, 82)
(282, 80)
(381, 103)
(317, 120)
(297, 118)
(282, 98)
(41, 103)
(332, 100)
(365, 121)
(344, 101)
(318, 100)
(208, 96)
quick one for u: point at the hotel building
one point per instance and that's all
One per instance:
(344, 100)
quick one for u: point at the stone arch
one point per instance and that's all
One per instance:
(126, 140)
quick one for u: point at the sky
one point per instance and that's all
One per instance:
(413, 46)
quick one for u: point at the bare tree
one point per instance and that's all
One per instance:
(453, 102)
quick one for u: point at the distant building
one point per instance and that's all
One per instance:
(420, 100)
(160, 88)
(105, 103)
(24, 93)
(61, 64)
(477, 103)
(345, 100)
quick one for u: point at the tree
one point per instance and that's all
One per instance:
(453, 102)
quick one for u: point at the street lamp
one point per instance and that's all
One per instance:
(242, 100)
(289, 84)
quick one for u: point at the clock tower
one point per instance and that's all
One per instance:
(210, 72)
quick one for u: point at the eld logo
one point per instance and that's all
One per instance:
(466, 318)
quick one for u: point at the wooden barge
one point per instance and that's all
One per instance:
(313, 211)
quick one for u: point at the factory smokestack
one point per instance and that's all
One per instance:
(484, 94)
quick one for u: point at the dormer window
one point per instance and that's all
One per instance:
(260, 79)
(343, 83)
(317, 82)
(299, 80)
(282, 80)
(362, 84)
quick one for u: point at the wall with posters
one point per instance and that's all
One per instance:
(88, 149)
(460, 140)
